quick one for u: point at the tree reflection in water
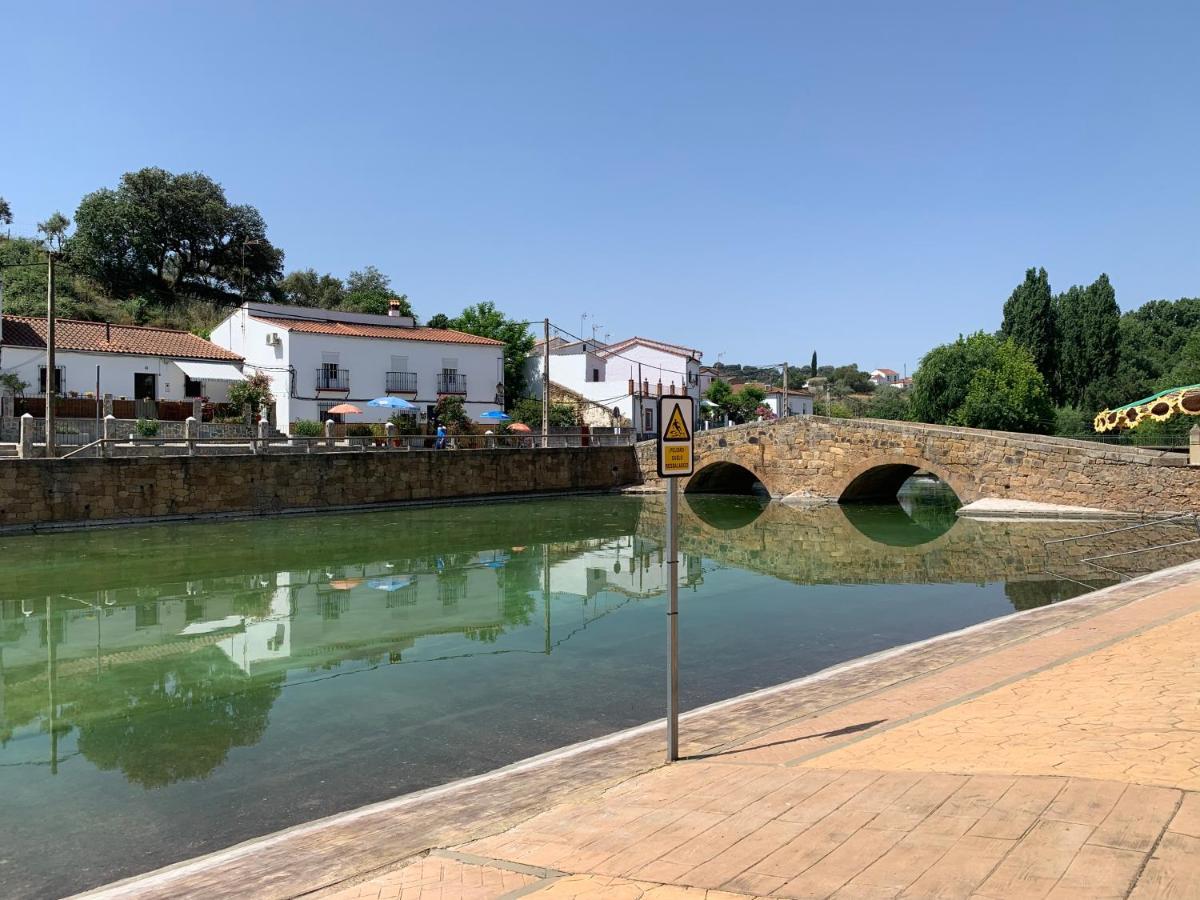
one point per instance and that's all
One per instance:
(167, 720)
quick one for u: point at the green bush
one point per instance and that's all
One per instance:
(405, 424)
(307, 428)
(359, 430)
(146, 428)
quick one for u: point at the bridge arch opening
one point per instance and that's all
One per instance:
(888, 482)
(726, 478)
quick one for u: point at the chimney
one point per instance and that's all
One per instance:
(107, 331)
(630, 387)
(394, 308)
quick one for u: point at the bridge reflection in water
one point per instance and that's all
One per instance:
(383, 652)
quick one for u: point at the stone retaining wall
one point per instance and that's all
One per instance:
(87, 491)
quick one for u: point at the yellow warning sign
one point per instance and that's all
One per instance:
(677, 458)
(677, 429)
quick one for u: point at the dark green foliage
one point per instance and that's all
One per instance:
(1008, 394)
(305, 287)
(812, 369)
(307, 428)
(369, 291)
(173, 237)
(941, 383)
(529, 411)
(889, 403)
(1029, 319)
(1087, 335)
(452, 414)
(739, 406)
(1071, 421)
(438, 320)
(485, 320)
(6, 215)
(982, 381)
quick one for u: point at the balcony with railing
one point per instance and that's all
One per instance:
(452, 383)
(401, 382)
(330, 379)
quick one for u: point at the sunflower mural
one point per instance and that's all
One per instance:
(1158, 408)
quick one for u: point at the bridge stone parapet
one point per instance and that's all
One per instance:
(817, 458)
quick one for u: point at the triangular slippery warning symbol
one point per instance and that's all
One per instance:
(677, 429)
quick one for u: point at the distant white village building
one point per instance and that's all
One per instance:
(884, 376)
(318, 358)
(626, 377)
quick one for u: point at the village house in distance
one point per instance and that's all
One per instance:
(318, 358)
(618, 382)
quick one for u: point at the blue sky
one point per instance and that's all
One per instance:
(757, 180)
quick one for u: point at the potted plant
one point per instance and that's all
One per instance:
(378, 434)
(145, 428)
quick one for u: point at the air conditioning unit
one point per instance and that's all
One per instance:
(273, 339)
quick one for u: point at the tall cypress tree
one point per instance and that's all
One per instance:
(1088, 323)
(1029, 320)
(814, 363)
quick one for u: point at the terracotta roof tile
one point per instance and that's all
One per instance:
(391, 332)
(100, 337)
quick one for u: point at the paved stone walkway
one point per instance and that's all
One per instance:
(1063, 783)
(1055, 754)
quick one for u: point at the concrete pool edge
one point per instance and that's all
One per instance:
(481, 804)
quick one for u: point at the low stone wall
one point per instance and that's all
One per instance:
(37, 492)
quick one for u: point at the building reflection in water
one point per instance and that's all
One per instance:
(161, 680)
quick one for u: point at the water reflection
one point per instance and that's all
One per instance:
(726, 512)
(423, 645)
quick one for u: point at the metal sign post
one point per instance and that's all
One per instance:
(676, 456)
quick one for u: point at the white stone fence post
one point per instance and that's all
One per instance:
(191, 431)
(329, 433)
(25, 448)
(1194, 446)
(110, 432)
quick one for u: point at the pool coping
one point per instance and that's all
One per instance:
(346, 847)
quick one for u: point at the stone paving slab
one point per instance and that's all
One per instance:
(765, 807)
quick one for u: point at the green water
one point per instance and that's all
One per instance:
(166, 691)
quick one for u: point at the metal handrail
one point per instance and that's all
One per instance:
(363, 443)
(1146, 524)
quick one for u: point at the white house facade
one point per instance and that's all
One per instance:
(317, 359)
(627, 377)
(125, 361)
(798, 403)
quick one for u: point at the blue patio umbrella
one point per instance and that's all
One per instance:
(391, 403)
(394, 583)
(495, 415)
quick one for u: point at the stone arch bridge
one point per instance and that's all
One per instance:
(866, 460)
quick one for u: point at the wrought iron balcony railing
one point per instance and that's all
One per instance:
(401, 382)
(333, 379)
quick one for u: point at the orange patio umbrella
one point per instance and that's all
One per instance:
(345, 409)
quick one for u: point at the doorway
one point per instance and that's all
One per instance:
(145, 386)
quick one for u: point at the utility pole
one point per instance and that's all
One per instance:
(51, 372)
(545, 382)
(786, 408)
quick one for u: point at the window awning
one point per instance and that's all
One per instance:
(210, 371)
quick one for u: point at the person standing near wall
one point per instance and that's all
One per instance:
(440, 443)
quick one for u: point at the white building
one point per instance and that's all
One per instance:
(799, 403)
(627, 377)
(885, 376)
(318, 358)
(126, 361)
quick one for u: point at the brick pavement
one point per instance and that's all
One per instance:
(1051, 755)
